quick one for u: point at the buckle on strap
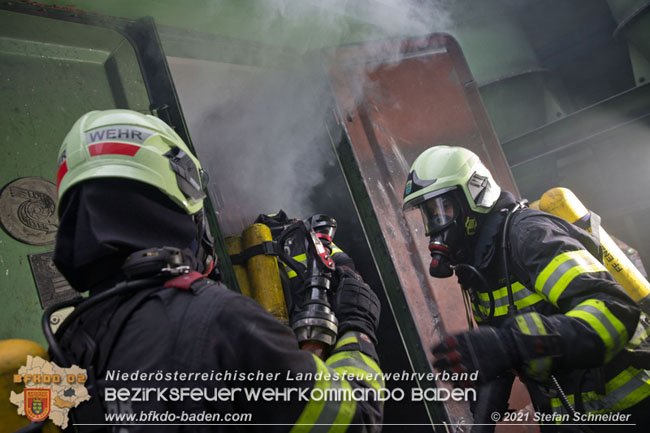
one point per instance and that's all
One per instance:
(269, 248)
(183, 282)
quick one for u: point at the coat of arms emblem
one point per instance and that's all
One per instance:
(37, 403)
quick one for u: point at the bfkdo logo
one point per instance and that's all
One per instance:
(50, 391)
(37, 403)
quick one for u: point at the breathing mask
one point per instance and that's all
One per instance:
(449, 226)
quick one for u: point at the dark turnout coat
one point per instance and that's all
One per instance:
(241, 368)
(561, 287)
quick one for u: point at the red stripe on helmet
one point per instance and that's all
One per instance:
(112, 148)
(63, 169)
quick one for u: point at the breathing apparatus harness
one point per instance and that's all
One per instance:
(146, 271)
(471, 292)
(314, 323)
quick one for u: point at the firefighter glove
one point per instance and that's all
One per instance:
(355, 304)
(488, 350)
(527, 343)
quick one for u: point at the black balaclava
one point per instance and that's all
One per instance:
(102, 221)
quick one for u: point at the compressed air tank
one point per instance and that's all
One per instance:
(564, 203)
(234, 246)
(263, 273)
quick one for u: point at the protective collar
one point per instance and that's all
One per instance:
(491, 226)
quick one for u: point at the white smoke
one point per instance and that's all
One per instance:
(259, 130)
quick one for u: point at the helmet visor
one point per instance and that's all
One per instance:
(438, 213)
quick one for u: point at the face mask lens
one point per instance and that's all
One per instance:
(437, 213)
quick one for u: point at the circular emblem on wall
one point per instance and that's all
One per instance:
(28, 210)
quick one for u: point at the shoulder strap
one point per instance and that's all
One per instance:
(117, 322)
(505, 245)
(124, 311)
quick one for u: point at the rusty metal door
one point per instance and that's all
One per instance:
(393, 101)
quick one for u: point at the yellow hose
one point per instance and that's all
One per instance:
(564, 203)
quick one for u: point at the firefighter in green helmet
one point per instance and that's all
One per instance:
(133, 234)
(546, 307)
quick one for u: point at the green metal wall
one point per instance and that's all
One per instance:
(51, 72)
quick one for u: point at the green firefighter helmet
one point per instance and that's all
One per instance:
(441, 169)
(130, 145)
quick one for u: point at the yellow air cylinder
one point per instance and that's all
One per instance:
(263, 273)
(13, 355)
(564, 203)
(234, 246)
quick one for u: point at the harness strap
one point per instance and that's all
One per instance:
(117, 322)
(505, 245)
(269, 248)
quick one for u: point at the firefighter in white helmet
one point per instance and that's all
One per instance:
(546, 306)
(132, 233)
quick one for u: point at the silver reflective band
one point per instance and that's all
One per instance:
(132, 134)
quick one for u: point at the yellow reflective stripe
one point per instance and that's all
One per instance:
(608, 327)
(625, 390)
(531, 299)
(522, 296)
(361, 373)
(313, 408)
(531, 324)
(556, 403)
(540, 325)
(323, 411)
(521, 323)
(564, 267)
(335, 249)
(362, 364)
(640, 335)
(372, 364)
(347, 338)
(502, 292)
(541, 367)
(302, 258)
(502, 310)
(634, 387)
(346, 413)
(550, 269)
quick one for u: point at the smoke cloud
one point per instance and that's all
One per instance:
(260, 128)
